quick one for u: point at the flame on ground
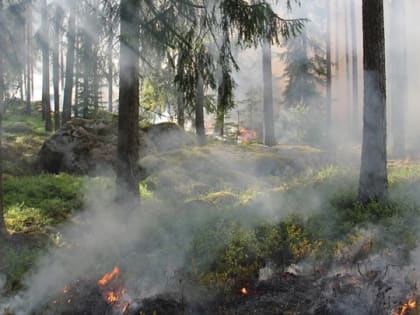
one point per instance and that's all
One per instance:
(404, 309)
(114, 293)
(114, 296)
(109, 276)
(244, 291)
(247, 135)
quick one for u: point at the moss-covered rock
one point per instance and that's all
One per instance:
(83, 146)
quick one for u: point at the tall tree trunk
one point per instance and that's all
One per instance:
(3, 230)
(220, 110)
(68, 88)
(56, 65)
(110, 68)
(328, 75)
(128, 118)
(95, 82)
(268, 122)
(398, 78)
(349, 106)
(373, 172)
(28, 56)
(46, 105)
(199, 112)
(180, 117)
(355, 73)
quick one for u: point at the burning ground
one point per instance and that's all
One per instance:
(232, 230)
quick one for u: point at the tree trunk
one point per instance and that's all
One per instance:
(355, 73)
(56, 65)
(45, 68)
(373, 172)
(180, 117)
(268, 122)
(68, 88)
(328, 76)
(3, 231)
(28, 56)
(349, 106)
(199, 112)
(398, 78)
(110, 68)
(220, 110)
(128, 118)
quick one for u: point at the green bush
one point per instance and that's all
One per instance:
(42, 200)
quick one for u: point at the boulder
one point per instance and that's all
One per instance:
(85, 146)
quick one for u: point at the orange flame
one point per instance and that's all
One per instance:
(244, 291)
(109, 276)
(247, 135)
(411, 304)
(114, 296)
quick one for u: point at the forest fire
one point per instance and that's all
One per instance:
(244, 291)
(247, 135)
(109, 276)
(407, 307)
(114, 293)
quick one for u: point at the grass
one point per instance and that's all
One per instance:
(23, 136)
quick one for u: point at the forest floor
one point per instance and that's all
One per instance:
(241, 228)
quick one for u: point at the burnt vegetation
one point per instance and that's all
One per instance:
(209, 157)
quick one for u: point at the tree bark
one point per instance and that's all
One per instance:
(328, 76)
(348, 83)
(268, 122)
(28, 56)
(180, 117)
(68, 88)
(46, 105)
(3, 231)
(355, 73)
(199, 112)
(56, 65)
(110, 68)
(398, 78)
(373, 172)
(128, 118)
(220, 110)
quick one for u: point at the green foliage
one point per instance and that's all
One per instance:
(32, 202)
(22, 139)
(227, 256)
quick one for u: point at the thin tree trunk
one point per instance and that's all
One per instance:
(398, 78)
(337, 38)
(95, 82)
(3, 230)
(180, 110)
(348, 83)
(28, 56)
(373, 172)
(355, 73)
(268, 122)
(199, 112)
(328, 75)
(68, 88)
(45, 68)
(128, 118)
(62, 71)
(220, 110)
(56, 65)
(110, 68)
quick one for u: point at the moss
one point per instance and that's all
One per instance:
(223, 197)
